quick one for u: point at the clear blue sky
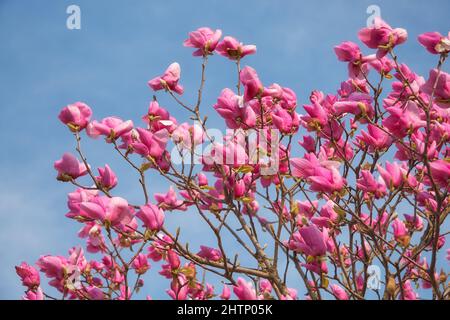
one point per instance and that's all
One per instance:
(122, 44)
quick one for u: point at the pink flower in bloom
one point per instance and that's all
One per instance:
(140, 264)
(169, 80)
(29, 275)
(107, 178)
(435, 42)
(204, 40)
(113, 210)
(440, 172)
(348, 51)
(392, 175)
(312, 241)
(111, 127)
(74, 199)
(186, 135)
(232, 49)
(34, 295)
(284, 121)
(210, 254)
(169, 201)
(69, 168)
(159, 118)
(152, 217)
(438, 83)
(251, 82)
(226, 293)
(323, 175)
(402, 121)
(370, 186)
(375, 138)
(338, 292)
(408, 292)
(382, 36)
(231, 108)
(244, 290)
(414, 221)
(76, 116)
(400, 232)
(151, 144)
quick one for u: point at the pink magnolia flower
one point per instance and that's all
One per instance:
(111, 127)
(151, 144)
(74, 199)
(392, 175)
(375, 138)
(34, 295)
(244, 290)
(402, 121)
(187, 136)
(401, 234)
(168, 80)
(140, 264)
(251, 82)
(204, 40)
(408, 291)
(29, 275)
(169, 201)
(382, 36)
(159, 118)
(370, 186)
(323, 175)
(338, 292)
(414, 222)
(76, 116)
(106, 178)
(327, 216)
(52, 266)
(226, 293)
(231, 108)
(438, 83)
(232, 49)
(440, 172)
(210, 254)
(348, 51)
(265, 286)
(69, 168)
(284, 121)
(115, 210)
(152, 217)
(310, 241)
(435, 42)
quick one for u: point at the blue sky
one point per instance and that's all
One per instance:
(107, 63)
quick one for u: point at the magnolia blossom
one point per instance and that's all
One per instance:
(204, 40)
(168, 80)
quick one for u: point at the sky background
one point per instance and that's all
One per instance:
(121, 45)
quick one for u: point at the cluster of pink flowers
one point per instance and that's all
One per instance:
(372, 185)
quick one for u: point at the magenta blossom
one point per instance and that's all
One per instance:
(169, 80)
(152, 217)
(382, 36)
(69, 168)
(435, 42)
(115, 210)
(244, 290)
(232, 49)
(204, 40)
(76, 116)
(438, 84)
(106, 178)
(111, 127)
(210, 254)
(29, 275)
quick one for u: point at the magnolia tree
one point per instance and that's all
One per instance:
(355, 208)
